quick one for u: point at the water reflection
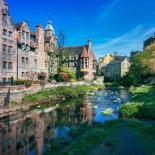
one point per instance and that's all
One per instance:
(32, 133)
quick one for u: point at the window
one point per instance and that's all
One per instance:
(27, 74)
(22, 74)
(4, 65)
(10, 50)
(27, 36)
(4, 17)
(5, 33)
(23, 60)
(23, 47)
(27, 61)
(23, 34)
(10, 66)
(32, 38)
(4, 48)
(27, 47)
(10, 80)
(10, 34)
(4, 80)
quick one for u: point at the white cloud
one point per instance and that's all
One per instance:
(124, 44)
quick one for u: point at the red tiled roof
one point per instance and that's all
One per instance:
(84, 53)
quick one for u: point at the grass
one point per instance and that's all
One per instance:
(107, 112)
(61, 92)
(142, 104)
(90, 139)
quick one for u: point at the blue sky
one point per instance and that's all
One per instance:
(112, 25)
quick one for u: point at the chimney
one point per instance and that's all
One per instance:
(89, 44)
(115, 54)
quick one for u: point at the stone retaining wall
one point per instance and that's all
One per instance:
(18, 92)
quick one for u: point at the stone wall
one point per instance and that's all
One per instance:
(18, 92)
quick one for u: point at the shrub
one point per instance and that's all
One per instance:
(71, 74)
(73, 80)
(28, 83)
(19, 82)
(58, 78)
(64, 75)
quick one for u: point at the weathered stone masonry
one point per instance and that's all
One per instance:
(23, 52)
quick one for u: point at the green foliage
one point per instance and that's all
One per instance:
(28, 83)
(73, 80)
(19, 82)
(107, 112)
(142, 104)
(58, 78)
(85, 142)
(71, 73)
(139, 70)
(60, 92)
(108, 136)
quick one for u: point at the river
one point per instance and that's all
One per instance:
(31, 132)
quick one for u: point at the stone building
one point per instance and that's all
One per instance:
(8, 45)
(117, 68)
(82, 60)
(102, 63)
(24, 54)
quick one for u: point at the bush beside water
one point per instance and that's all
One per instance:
(142, 104)
(61, 92)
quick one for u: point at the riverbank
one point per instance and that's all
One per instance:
(114, 137)
(142, 104)
(51, 96)
(60, 93)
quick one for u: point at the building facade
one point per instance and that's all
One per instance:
(24, 54)
(117, 68)
(103, 62)
(8, 45)
(82, 60)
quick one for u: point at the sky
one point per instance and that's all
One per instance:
(112, 25)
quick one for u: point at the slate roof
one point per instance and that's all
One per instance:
(118, 60)
(76, 50)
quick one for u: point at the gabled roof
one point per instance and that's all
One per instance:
(84, 53)
(118, 60)
(93, 57)
(75, 50)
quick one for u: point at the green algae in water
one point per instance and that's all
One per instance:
(107, 112)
